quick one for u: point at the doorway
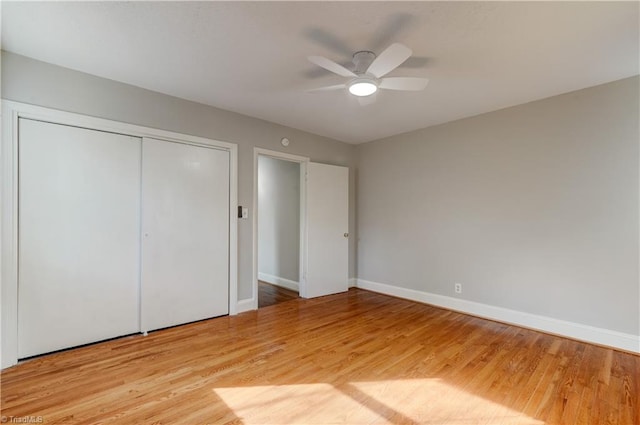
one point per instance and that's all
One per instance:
(323, 228)
(279, 229)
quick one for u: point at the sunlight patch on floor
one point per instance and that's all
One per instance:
(295, 404)
(426, 401)
(431, 401)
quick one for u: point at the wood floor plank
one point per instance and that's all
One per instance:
(351, 358)
(269, 294)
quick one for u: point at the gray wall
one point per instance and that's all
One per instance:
(532, 208)
(30, 81)
(279, 218)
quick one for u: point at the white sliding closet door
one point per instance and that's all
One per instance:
(78, 255)
(185, 243)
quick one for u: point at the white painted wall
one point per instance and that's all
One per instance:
(533, 209)
(278, 220)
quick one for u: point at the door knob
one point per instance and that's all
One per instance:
(346, 235)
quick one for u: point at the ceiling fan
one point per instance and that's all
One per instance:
(369, 73)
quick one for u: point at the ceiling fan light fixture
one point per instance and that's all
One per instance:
(370, 72)
(363, 87)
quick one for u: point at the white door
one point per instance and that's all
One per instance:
(185, 233)
(78, 236)
(327, 230)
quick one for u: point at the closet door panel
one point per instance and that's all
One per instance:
(185, 220)
(79, 201)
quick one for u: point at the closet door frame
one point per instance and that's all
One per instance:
(11, 112)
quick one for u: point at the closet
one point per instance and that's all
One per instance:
(185, 243)
(116, 235)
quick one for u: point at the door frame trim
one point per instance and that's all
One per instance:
(11, 112)
(302, 269)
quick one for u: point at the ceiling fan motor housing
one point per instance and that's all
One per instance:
(362, 60)
(364, 84)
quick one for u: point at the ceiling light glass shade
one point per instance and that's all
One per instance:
(362, 87)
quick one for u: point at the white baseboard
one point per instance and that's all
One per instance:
(245, 305)
(614, 339)
(353, 282)
(279, 281)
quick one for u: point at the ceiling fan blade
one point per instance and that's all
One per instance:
(392, 28)
(328, 88)
(330, 65)
(403, 83)
(329, 41)
(317, 72)
(391, 58)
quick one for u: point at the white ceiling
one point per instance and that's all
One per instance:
(250, 57)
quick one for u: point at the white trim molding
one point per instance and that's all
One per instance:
(11, 112)
(279, 281)
(578, 331)
(245, 305)
(303, 161)
(353, 282)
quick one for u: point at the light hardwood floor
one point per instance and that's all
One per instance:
(353, 358)
(269, 294)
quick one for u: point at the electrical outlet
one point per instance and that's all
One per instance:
(458, 288)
